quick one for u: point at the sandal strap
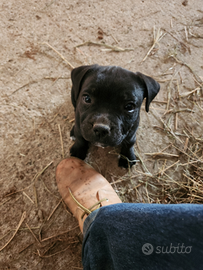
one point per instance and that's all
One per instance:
(87, 211)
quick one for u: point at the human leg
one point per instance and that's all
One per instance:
(144, 236)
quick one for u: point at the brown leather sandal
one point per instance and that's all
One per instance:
(82, 188)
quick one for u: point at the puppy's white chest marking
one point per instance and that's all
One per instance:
(99, 145)
(72, 138)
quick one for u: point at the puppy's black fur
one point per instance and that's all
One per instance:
(107, 101)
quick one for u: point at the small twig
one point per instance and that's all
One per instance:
(197, 196)
(162, 155)
(24, 85)
(199, 106)
(186, 33)
(191, 162)
(147, 193)
(142, 162)
(186, 144)
(48, 256)
(112, 48)
(5, 201)
(33, 233)
(169, 89)
(166, 147)
(114, 38)
(48, 238)
(47, 227)
(190, 92)
(184, 151)
(125, 179)
(40, 173)
(160, 101)
(46, 43)
(143, 173)
(61, 139)
(28, 197)
(114, 183)
(50, 247)
(49, 190)
(21, 221)
(196, 183)
(19, 70)
(176, 121)
(157, 37)
(179, 111)
(54, 209)
(72, 120)
(66, 209)
(35, 194)
(164, 170)
(2, 237)
(25, 248)
(55, 80)
(139, 185)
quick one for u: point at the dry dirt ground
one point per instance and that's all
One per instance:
(38, 48)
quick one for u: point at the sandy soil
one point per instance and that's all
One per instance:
(38, 42)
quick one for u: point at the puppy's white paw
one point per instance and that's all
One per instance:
(72, 138)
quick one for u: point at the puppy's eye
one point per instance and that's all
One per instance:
(86, 99)
(130, 107)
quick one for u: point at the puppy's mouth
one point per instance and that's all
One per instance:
(111, 140)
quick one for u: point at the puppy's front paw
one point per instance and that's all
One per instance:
(78, 151)
(125, 163)
(72, 138)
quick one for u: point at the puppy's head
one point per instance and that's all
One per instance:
(107, 100)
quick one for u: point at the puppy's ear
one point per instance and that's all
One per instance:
(151, 88)
(77, 75)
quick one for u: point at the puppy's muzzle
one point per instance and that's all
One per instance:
(101, 130)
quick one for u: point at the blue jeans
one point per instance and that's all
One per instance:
(144, 236)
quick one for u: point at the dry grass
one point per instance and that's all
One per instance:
(182, 180)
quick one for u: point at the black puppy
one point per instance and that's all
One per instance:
(107, 101)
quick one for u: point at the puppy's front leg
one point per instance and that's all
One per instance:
(79, 148)
(127, 158)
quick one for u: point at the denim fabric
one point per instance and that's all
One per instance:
(129, 236)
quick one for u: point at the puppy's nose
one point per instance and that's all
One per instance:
(101, 130)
